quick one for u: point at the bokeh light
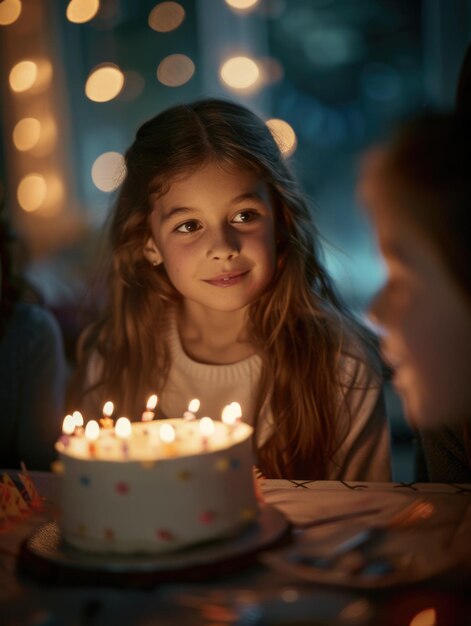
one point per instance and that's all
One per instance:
(26, 134)
(108, 171)
(175, 70)
(240, 72)
(30, 75)
(427, 617)
(166, 16)
(284, 136)
(104, 82)
(81, 11)
(31, 192)
(242, 5)
(23, 76)
(10, 11)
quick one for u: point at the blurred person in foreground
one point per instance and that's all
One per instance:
(32, 370)
(417, 190)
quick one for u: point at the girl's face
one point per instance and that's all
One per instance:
(426, 320)
(214, 231)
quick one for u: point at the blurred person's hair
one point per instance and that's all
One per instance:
(426, 170)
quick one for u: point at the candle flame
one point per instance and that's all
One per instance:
(228, 415)
(237, 409)
(167, 433)
(194, 405)
(108, 409)
(92, 430)
(151, 402)
(206, 426)
(68, 425)
(123, 428)
(78, 418)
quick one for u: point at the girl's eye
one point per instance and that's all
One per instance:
(245, 216)
(188, 227)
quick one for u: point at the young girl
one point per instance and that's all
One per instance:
(217, 292)
(417, 191)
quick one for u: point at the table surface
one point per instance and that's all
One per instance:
(265, 592)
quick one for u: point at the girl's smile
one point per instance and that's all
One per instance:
(227, 280)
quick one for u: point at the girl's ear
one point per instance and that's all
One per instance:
(152, 253)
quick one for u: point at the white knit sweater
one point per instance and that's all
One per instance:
(363, 453)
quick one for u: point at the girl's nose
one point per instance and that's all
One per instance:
(223, 247)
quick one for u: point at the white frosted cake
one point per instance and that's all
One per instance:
(161, 486)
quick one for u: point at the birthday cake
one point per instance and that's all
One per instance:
(157, 486)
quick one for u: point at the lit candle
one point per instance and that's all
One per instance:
(106, 420)
(68, 428)
(237, 411)
(123, 431)
(167, 437)
(228, 416)
(78, 418)
(148, 415)
(206, 429)
(92, 432)
(193, 407)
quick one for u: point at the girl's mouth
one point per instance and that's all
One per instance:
(226, 280)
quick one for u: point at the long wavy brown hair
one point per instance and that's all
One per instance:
(299, 327)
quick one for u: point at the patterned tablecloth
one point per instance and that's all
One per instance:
(319, 511)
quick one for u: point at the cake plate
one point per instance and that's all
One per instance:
(46, 556)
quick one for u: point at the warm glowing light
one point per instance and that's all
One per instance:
(26, 133)
(30, 75)
(108, 171)
(68, 425)
(104, 83)
(9, 11)
(31, 192)
(175, 70)
(167, 433)
(194, 405)
(78, 418)
(240, 72)
(108, 408)
(123, 428)
(227, 415)
(242, 5)
(284, 136)
(206, 426)
(81, 11)
(23, 76)
(92, 430)
(151, 402)
(237, 409)
(166, 16)
(427, 617)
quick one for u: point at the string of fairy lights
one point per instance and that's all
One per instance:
(36, 135)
